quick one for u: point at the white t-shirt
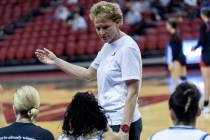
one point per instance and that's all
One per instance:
(64, 137)
(115, 63)
(180, 132)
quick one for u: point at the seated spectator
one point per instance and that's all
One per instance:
(184, 109)
(72, 1)
(191, 2)
(26, 104)
(62, 13)
(85, 119)
(139, 5)
(132, 17)
(78, 22)
(191, 8)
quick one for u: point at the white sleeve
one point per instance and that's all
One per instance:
(63, 137)
(207, 138)
(131, 64)
(96, 61)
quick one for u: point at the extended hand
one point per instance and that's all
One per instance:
(123, 136)
(110, 135)
(45, 56)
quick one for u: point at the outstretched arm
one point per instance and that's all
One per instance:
(48, 57)
(130, 104)
(2, 118)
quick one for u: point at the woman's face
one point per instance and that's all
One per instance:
(107, 30)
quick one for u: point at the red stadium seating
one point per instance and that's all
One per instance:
(80, 48)
(141, 41)
(71, 48)
(91, 47)
(3, 53)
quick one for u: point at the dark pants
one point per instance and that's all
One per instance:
(135, 129)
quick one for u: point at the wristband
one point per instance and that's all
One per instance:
(125, 128)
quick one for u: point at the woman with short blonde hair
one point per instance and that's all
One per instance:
(117, 68)
(26, 102)
(26, 105)
(106, 11)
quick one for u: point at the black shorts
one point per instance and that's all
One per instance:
(134, 132)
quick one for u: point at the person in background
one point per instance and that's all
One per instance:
(204, 42)
(178, 66)
(26, 103)
(78, 22)
(184, 110)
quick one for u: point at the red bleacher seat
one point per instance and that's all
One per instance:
(141, 41)
(3, 53)
(187, 35)
(50, 46)
(33, 41)
(11, 52)
(15, 43)
(29, 52)
(51, 39)
(35, 34)
(151, 39)
(72, 38)
(163, 40)
(61, 39)
(59, 49)
(83, 37)
(43, 40)
(195, 34)
(70, 48)
(80, 48)
(20, 52)
(91, 47)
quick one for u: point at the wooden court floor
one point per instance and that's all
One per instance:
(153, 99)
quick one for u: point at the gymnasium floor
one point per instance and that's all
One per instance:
(56, 90)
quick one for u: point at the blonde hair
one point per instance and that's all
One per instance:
(107, 11)
(27, 101)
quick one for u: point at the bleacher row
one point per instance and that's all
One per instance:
(12, 10)
(157, 38)
(58, 36)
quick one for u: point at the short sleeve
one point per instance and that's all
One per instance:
(96, 61)
(131, 64)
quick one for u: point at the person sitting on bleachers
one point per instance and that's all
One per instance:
(62, 13)
(26, 103)
(184, 110)
(78, 22)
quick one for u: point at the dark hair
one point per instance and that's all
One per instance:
(172, 23)
(184, 101)
(205, 11)
(83, 116)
